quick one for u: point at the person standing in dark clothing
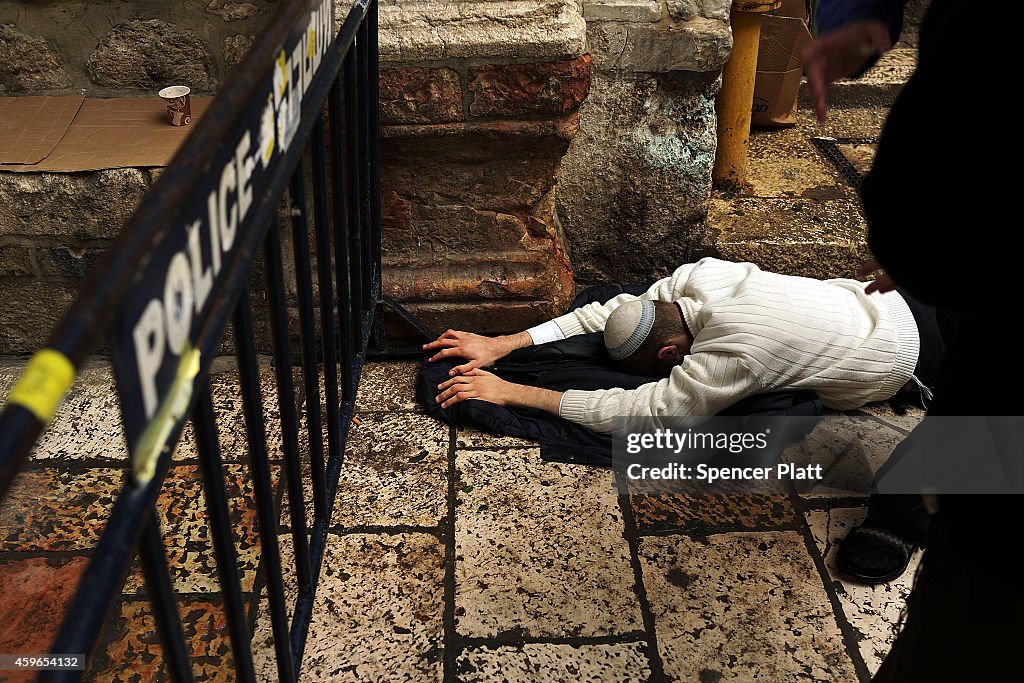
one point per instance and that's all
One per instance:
(940, 226)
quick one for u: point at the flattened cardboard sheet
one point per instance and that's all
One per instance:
(117, 133)
(30, 127)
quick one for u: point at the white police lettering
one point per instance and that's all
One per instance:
(163, 330)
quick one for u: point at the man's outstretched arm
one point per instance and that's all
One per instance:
(484, 386)
(701, 387)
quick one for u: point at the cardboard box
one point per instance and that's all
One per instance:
(792, 8)
(778, 70)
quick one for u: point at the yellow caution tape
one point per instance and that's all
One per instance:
(44, 384)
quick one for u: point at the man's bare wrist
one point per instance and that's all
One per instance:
(536, 397)
(515, 341)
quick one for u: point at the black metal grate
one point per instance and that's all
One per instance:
(829, 147)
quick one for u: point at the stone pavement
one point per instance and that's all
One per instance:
(456, 555)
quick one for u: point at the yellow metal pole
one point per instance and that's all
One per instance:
(737, 94)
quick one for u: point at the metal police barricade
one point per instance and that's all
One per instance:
(175, 279)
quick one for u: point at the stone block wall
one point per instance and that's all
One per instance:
(634, 187)
(55, 227)
(116, 48)
(480, 101)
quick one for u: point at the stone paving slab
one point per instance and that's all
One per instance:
(467, 437)
(555, 663)
(187, 541)
(132, 637)
(884, 412)
(742, 607)
(34, 593)
(700, 513)
(88, 424)
(58, 509)
(226, 395)
(395, 472)
(820, 237)
(873, 611)
(782, 164)
(87, 427)
(862, 156)
(388, 386)
(377, 614)
(539, 549)
(850, 450)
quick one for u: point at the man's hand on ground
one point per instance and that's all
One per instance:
(841, 54)
(882, 284)
(479, 350)
(484, 386)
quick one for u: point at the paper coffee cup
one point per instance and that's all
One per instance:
(179, 107)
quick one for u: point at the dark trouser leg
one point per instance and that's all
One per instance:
(901, 514)
(905, 515)
(964, 615)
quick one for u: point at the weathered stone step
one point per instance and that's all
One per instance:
(799, 216)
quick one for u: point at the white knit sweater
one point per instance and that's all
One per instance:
(755, 332)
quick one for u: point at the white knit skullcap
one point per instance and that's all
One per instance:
(627, 328)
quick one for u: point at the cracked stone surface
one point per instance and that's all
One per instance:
(742, 607)
(394, 473)
(849, 448)
(860, 155)
(780, 234)
(539, 549)
(88, 424)
(553, 663)
(873, 611)
(539, 553)
(782, 165)
(187, 540)
(377, 614)
(134, 639)
(467, 437)
(34, 592)
(884, 412)
(388, 386)
(226, 396)
(57, 509)
(701, 513)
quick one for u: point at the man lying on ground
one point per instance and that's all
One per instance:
(717, 332)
